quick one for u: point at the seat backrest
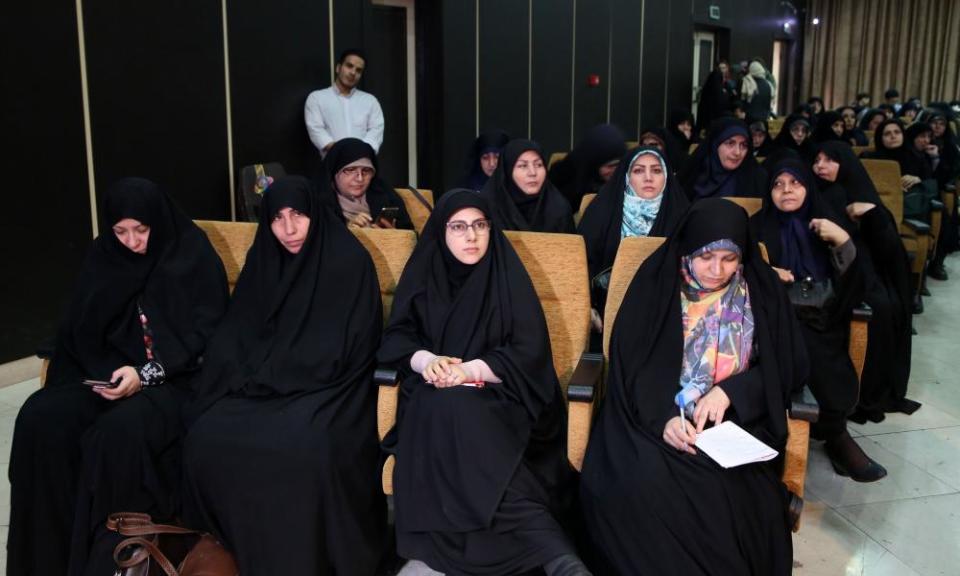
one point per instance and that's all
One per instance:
(631, 144)
(389, 249)
(751, 205)
(415, 208)
(693, 148)
(554, 158)
(869, 134)
(858, 150)
(886, 177)
(557, 265)
(630, 255)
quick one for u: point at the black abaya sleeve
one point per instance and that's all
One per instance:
(747, 395)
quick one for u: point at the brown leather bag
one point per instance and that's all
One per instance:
(165, 550)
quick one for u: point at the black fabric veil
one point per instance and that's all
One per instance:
(601, 222)
(785, 141)
(379, 195)
(512, 209)
(578, 173)
(459, 447)
(852, 176)
(297, 323)
(180, 284)
(705, 177)
(490, 141)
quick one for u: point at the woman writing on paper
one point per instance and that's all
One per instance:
(707, 330)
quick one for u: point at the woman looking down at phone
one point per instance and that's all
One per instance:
(149, 295)
(360, 197)
(481, 461)
(281, 457)
(705, 334)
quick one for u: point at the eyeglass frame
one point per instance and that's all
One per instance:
(470, 226)
(366, 172)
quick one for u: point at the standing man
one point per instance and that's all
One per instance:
(342, 110)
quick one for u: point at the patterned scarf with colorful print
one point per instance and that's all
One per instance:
(717, 330)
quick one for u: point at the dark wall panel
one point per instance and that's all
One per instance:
(504, 79)
(157, 98)
(654, 65)
(45, 222)
(592, 57)
(459, 68)
(679, 84)
(625, 57)
(552, 58)
(279, 53)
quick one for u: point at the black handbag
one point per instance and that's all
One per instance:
(811, 301)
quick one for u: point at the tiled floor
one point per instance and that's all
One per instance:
(904, 525)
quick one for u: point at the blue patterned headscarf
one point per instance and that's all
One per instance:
(639, 214)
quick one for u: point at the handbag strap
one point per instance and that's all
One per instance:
(145, 551)
(421, 198)
(137, 524)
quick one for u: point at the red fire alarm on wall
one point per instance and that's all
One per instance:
(593, 80)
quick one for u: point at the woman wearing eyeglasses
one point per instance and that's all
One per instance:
(481, 464)
(363, 199)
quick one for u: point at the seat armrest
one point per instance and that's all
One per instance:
(917, 226)
(803, 406)
(46, 348)
(936, 204)
(863, 313)
(385, 376)
(586, 378)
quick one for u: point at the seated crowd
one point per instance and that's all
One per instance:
(253, 415)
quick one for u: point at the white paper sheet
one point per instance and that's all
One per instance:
(730, 445)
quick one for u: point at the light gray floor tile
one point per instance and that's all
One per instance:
(924, 533)
(933, 451)
(928, 416)
(904, 480)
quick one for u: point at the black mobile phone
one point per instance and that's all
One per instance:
(389, 212)
(101, 383)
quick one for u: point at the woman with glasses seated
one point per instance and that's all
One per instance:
(481, 467)
(521, 197)
(361, 198)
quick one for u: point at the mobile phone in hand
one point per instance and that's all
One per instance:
(101, 383)
(388, 214)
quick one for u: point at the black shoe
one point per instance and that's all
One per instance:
(925, 291)
(840, 451)
(918, 305)
(937, 271)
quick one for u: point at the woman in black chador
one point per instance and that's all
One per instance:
(706, 328)
(281, 457)
(149, 296)
(521, 197)
(481, 428)
(723, 164)
(846, 186)
(813, 250)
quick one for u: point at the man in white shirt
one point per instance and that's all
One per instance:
(342, 110)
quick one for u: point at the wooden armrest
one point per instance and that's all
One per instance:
(917, 226)
(863, 313)
(936, 204)
(586, 378)
(803, 406)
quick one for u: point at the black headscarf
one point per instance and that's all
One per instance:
(790, 242)
(853, 136)
(852, 176)
(379, 194)
(767, 147)
(704, 175)
(513, 209)
(677, 116)
(675, 155)
(179, 283)
(949, 166)
(490, 141)
(916, 162)
(646, 349)
(785, 141)
(451, 475)
(868, 116)
(600, 225)
(579, 172)
(298, 323)
(824, 129)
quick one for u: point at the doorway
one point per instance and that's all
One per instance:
(704, 53)
(391, 43)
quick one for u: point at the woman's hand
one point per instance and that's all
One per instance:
(829, 232)
(596, 322)
(440, 371)
(907, 181)
(786, 276)
(857, 209)
(455, 377)
(385, 223)
(360, 220)
(677, 437)
(129, 384)
(711, 407)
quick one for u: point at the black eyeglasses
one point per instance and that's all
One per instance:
(459, 227)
